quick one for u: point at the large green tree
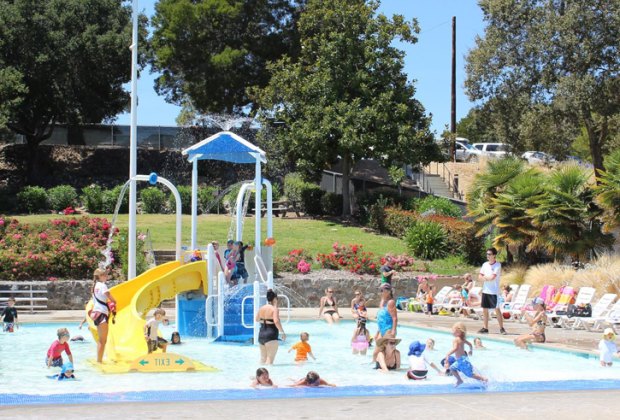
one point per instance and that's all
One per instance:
(210, 52)
(553, 63)
(65, 60)
(347, 95)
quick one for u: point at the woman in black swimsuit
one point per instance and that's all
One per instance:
(269, 318)
(328, 308)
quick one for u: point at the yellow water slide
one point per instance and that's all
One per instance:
(135, 298)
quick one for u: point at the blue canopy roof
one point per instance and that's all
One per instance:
(225, 146)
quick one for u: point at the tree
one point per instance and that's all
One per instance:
(211, 51)
(608, 191)
(67, 61)
(347, 95)
(566, 217)
(558, 57)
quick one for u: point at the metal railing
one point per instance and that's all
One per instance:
(446, 175)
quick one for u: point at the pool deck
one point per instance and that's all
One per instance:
(568, 405)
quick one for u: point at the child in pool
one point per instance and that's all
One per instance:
(262, 379)
(607, 347)
(54, 353)
(418, 363)
(66, 372)
(9, 316)
(175, 338)
(478, 344)
(312, 379)
(430, 345)
(302, 348)
(153, 341)
(462, 363)
(361, 338)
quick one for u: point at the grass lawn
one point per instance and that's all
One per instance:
(312, 235)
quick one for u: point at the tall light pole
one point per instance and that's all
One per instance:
(133, 146)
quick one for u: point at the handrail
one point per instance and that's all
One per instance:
(450, 179)
(243, 312)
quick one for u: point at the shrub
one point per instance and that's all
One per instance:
(461, 238)
(185, 191)
(291, 262)
(331, 204)
(121, 253)
(67, 248)
(61, 197)
(398, 221)
(32, 199)
(376, 215)
(293, 186)
(311, 196)
(207, 199)
(153, 200)
(426, 240)
(438, 205)
(109, 200)
(92, 199)
(349, 257)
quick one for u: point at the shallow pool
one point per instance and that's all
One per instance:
(23, 376)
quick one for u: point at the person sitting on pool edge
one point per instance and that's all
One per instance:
(312, 379)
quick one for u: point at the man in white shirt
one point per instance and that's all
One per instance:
(490, 274)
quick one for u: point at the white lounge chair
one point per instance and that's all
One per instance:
(600, 308)
(518, 302)
(441, 297)
(609, 318)
(585, 296)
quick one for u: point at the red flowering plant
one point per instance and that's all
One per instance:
(58, 248)
(295, 261)
(349, 257)
(401, 262)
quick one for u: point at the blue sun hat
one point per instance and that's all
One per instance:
(416, 348)
(67, 366)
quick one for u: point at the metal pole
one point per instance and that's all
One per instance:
(194, 203)
(133, 145)
(453, 94)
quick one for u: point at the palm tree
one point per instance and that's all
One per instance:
(486, 187)
(513, 224)
(608, 191)
(566, 216)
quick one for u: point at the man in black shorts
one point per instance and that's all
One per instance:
(490, 274)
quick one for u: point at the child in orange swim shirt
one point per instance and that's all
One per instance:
(303, 348)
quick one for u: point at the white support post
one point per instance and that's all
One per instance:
(220, 304)
(258, 186)
(255, 312)
(269, 190)
(133, 146)
(194, 241)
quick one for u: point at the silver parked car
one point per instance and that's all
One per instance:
(465, 152)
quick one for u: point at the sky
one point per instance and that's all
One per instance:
(427, 62)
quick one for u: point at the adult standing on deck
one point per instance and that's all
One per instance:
(490, 274)
(387, 270)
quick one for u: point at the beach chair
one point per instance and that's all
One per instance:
(453, 303)
(609, 318)
(564, 297)
(474, 295)
(440, 298)
(601, 307)
(518, 302)
(585, 296)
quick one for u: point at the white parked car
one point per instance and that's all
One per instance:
(539, 158)
(465, 152)
(492, 149)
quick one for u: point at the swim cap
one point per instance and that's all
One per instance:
(67, 366)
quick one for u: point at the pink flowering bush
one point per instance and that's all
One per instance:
(58, 248)
(295, 261)
(349, 257)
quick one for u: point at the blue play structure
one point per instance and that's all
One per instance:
(227, 313)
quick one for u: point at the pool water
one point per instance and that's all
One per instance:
(23, 373)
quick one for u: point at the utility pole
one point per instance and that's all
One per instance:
(453, 94)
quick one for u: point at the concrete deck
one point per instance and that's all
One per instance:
(567, 405)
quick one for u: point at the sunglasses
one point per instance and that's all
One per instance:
(393, 343)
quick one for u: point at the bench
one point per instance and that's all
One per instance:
(30, 299)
